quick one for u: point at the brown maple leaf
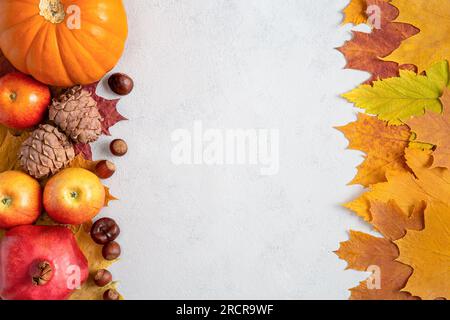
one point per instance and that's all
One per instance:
(364, 252)
(364, 51)
(107, 109)
(434, 128)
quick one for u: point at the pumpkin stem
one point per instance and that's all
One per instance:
(52, 10)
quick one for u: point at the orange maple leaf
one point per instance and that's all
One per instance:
(364, 51)
(384, 146)
(434, 128)
(428, 252)
(425, 184)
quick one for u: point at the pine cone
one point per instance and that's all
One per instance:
(46, 152)
(75, 112)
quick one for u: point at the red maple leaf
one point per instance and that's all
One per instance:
(364, 51)
(84, 149)
(107, 109)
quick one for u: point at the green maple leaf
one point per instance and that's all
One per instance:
(400, 98)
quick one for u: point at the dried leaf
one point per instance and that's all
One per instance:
(364, 51)
(84, 149)
(355, 12)
(80, 162)
(434, 128)
(107, 109)
(392, 222)
(428, 252)
(398, 99)
(363, 252)
(383, 144)
(432, 44)
(9, 149)
(89, 291)
(109, 197)
(408, 190)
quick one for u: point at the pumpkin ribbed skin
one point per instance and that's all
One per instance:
(56, 53)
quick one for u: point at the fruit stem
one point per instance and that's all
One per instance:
(7, 201)
(41, 273)
(13, 96)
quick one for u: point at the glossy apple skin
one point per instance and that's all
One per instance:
(23, 101)
(74, 196)
(24, 246)
(20, 199)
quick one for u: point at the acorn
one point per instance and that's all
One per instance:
(105, 169)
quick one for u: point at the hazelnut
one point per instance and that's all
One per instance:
(105, 169)
(118, 147)
(104, 230)
(121, 84)
(111, 294)
(102, 278)
(111, 251)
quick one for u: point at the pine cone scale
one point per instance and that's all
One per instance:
(46, 152)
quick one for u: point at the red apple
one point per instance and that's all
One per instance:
(40, 263)
(23, 101)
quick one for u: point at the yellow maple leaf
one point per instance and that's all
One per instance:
(355, 12)
(434, 128)
(428, 253)
(80, 162)
(384, 146)
(408, 190)
(432, 43)
(9, 148)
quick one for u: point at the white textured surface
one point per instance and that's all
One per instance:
(226, 232)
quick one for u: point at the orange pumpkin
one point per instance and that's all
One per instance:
(63, 42)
